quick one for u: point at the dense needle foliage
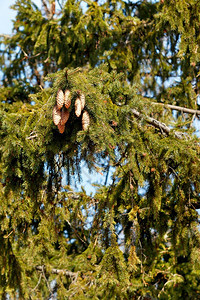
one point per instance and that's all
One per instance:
(137, 236)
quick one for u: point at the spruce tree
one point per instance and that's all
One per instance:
(111, 87)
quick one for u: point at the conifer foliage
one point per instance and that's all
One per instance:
(111, 87)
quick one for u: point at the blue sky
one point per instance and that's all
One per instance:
(7, 15)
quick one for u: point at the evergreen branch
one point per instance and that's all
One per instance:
(72, 275)
(157, 124)
(169, 281)
(179, 108)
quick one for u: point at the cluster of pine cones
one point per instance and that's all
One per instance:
(61, 110)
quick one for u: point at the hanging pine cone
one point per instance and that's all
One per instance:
(67, 98)
(85, 120)
(56, 115)
(60, 99)
(82, 98)
(78, 107)
(61, 128)
(64, 116)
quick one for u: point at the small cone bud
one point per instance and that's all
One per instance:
(78, 107)
(82, 98)
(85, 120)
(56, 115)
(60, 99)
(61, 128)
(67, 98)
(64, 116)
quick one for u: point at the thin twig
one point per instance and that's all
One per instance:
(43, 273)
(37, 283)
(26, 56)
(6, 236)
(46, 8)
(76, 233)
(176, 175)
(32, 137)
(59, 4)
(179, 108)
(193, 117)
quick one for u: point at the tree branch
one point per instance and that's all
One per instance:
(70, 274)
(5, 36)
(157, 124)
(59, 4)
(46, 8)
(179, 108)
(37, 283)
(76, 233)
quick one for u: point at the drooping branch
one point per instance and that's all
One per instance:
(157, 124)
